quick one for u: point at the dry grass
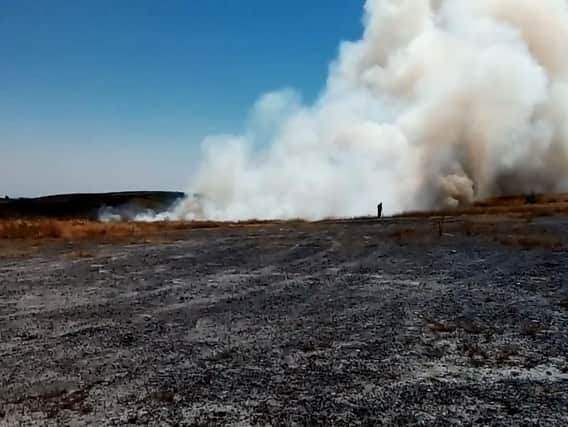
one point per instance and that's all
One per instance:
(16, 248)
(503, 220)
(507, 231)
(525, 206)
(521, 211)
(517, 236)
(410, 235)
(80, 253)
(529, 242)
(41, 229)
(441, 327)
(76, 229)
(511, 232)
(404, 234)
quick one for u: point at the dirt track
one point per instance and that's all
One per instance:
(330, 324)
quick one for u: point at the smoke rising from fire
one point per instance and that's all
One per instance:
(440, 103)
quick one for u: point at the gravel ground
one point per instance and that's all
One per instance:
(387, 323)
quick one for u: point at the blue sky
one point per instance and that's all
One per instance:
(115, 94)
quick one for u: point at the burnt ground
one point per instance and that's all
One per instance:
(389, 323)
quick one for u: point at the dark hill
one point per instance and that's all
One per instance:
(86, 205)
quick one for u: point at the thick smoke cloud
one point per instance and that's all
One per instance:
(440, 103)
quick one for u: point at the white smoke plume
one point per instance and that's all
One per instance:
(440, 103)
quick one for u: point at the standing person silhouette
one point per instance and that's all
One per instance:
(379, 210)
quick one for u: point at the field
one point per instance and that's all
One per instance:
(438, 319)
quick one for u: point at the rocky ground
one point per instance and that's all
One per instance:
(409, 322)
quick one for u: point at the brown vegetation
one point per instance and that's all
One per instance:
(530, 242)
(78, 229)
(41, 229)
(524, 206)
(507, 231)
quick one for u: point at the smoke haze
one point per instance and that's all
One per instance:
(440, 103)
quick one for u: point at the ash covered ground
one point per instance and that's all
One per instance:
(405, 322)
